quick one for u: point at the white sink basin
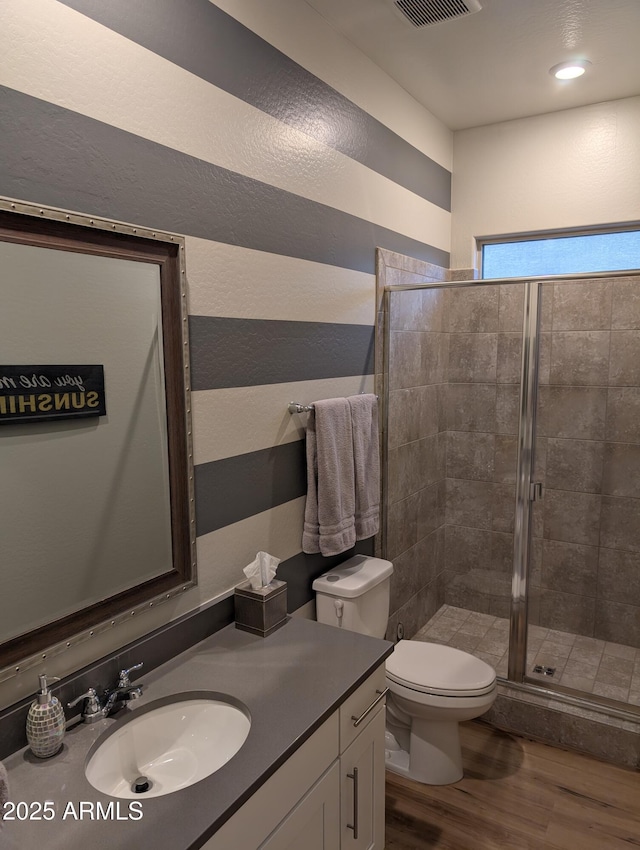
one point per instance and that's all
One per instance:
(172, 743)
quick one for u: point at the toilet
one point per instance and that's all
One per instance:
(432, 688)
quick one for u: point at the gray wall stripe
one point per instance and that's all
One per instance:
(246, 352)
(200, 37)
(235, 488)
(51, 155)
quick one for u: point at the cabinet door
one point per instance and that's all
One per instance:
(314, 822)
(362, 789)
(262, 814)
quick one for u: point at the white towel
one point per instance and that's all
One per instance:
(4, 790)
(329, 517)
(366, 459)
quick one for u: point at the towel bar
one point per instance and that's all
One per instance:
(296, 407)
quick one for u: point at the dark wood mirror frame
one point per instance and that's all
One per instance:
(117, 241)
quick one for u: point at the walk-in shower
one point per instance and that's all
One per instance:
(512, 477)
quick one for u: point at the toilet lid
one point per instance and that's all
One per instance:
(435, 669)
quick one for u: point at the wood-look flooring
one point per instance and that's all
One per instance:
(517, 795)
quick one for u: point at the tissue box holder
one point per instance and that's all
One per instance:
(261, 611)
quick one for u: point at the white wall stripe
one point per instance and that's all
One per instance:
(223, 553)
(228, 422)
(73, 62)
(299, 31)
(66, 59)
(228, 280)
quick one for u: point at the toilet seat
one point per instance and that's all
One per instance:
(430, 668)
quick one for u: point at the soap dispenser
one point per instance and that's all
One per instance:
(45, 721)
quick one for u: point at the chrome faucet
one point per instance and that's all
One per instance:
(123, 692)
(114, 698)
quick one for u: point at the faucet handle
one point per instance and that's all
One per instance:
(90, 695)
(124, 681)
(91, 710)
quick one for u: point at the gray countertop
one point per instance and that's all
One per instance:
(290, 682)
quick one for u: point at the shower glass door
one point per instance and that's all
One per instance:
(452, 388)
(584, 553)
(512, 476)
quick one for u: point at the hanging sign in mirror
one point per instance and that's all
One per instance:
(37, 393)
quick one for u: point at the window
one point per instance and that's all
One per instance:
(594, 252)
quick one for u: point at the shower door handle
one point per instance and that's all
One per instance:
(536, 491)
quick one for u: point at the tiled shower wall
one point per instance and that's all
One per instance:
(416, 440)
(452, 446)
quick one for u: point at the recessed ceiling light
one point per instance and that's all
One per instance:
(570, 70)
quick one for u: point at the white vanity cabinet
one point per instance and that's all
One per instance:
(310, 802)
(314, 824)
(362, 789)
(362, 724)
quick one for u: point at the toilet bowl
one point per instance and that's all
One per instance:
(432, 688)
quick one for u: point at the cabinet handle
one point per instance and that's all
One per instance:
(358, 720)
(354, 825)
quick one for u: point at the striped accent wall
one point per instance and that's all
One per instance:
(283, 178)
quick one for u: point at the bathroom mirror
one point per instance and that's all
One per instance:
(96, 507)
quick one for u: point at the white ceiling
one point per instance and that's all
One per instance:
(494, 65)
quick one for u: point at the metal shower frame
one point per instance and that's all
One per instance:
(527, 490)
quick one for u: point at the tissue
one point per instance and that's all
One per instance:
(261, 571)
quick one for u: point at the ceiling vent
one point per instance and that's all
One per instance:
(425, 13)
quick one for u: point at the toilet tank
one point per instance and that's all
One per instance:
(355, 595)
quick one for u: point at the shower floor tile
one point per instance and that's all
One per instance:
(482, 635)
(586, 664)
